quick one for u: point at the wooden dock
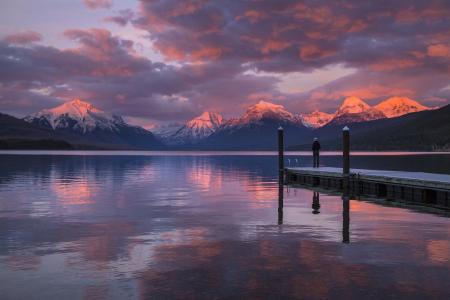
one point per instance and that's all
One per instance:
(413, 187)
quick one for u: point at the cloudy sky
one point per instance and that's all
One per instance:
(159, 61)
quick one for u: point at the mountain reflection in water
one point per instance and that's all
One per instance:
(202, 227)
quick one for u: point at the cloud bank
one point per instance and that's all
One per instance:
(224, 55)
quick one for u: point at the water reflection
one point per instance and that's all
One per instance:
(183, 227)
(280, 202)
(316, 203)
(345, 219)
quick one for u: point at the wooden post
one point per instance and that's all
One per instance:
(281, 155)
(280, 174)
(346, 183)
(346, 150)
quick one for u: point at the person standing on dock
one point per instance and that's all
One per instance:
(316, 150)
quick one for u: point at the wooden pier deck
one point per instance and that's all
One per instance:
(415, 187)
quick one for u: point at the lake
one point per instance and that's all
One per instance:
(200, 225)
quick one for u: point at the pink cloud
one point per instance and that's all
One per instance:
(439, 50)
(95, 4)
(25, 37)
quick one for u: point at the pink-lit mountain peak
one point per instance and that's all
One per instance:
(206, 120)
(353, 105)
(77, 114)
(263, 106)
(398, 106)
(316, 119)
(264, 109)
(195, 129)
(354, 110)
(75, 108)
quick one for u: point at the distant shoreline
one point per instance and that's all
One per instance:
(207, 153)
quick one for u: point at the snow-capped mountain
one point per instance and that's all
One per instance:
(353, 110)
(84, 123)
(259, 120)
(399, 106)
(196, 129)
(256, 129)
(264, 110)
(76, 115)
(316, 119)
(199, 129)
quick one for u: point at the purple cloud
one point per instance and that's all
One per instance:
(123, 18)
(216, 53)
(105, 70)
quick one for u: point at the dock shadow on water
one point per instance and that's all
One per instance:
(204, 227)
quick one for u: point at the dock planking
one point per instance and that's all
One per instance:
(415, 187)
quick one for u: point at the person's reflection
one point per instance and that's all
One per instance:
(316, 203)
(280, 203)
(345, 219)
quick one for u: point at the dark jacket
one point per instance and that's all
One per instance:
(316, 146)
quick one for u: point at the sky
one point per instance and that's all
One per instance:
(162, 61)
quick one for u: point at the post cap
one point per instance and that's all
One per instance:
(280, 128)
(345, 128)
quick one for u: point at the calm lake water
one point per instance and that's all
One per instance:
(206, 226)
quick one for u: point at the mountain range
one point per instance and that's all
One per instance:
(427, 130)
(82, 125)
(255, 129)
(210, 130)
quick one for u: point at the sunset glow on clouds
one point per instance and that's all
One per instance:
(167, 60)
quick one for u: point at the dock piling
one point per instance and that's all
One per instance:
(346, 150)
(280, 155)
(346, 159)
(280, 174)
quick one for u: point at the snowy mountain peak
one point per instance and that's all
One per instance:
(80, 103)
(75, 108)
(206, 120)
(77, 115)
(353, 105)
(196, 129)
(264, 109)
(353, 110)
(264, 105)
(316, 119)
(399, 106)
